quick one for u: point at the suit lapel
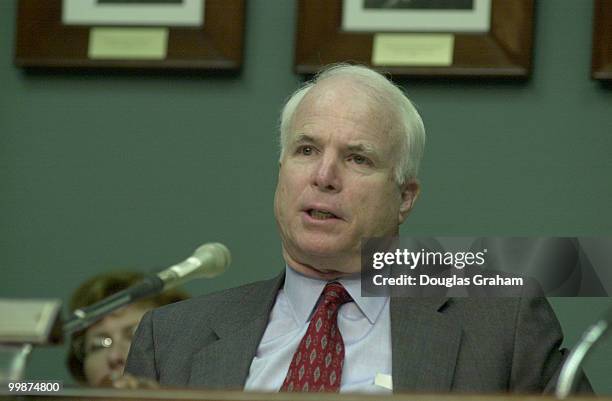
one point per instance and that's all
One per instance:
(225, 363)
(425, 345)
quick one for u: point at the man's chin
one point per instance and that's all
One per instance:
(322, 267)
(319, 274)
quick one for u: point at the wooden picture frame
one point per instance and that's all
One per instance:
(505, 51)
(42, 40)
(601, 64)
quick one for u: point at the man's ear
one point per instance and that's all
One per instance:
(409, 192)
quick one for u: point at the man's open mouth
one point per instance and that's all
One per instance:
(321, 214)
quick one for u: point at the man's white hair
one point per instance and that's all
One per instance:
(408, 124)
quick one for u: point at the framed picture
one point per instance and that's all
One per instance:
(131, 34)
(133, 12)
(416, 15)
(601, 66)
(431, 38)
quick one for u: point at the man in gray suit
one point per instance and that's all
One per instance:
(351, 143)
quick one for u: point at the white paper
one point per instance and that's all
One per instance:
(384, 381)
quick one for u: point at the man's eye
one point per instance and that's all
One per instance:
(358, 159)
(305, 150)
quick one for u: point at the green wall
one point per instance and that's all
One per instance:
(99, 172)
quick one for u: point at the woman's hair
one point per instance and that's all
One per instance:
(98, 288)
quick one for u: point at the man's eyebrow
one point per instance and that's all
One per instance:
(362, 148)
(303, 138)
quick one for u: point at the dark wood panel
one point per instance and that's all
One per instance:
(504, 51)
(601, 66)
(43, 41)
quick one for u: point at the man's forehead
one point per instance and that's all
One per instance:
(366, 119)
(339, 108)
(342, 102)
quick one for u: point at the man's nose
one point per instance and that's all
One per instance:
(326, 176)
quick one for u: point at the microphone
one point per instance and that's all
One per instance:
(569, 372)
(208, 261)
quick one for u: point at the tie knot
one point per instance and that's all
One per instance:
(335, 293)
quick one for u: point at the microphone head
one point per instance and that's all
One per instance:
(214, 258)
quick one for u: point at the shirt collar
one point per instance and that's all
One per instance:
(303, 293)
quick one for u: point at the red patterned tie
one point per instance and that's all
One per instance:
(317, 362)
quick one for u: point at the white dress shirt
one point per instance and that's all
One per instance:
(364, 325)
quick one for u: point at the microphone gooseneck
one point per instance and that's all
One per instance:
(568, 377)
(209, 260)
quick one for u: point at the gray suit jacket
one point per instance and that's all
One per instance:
(438, 345)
